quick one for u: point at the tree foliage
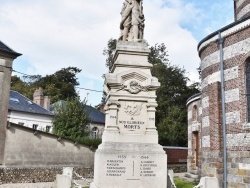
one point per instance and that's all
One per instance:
(59, 86)
(171, 114)
(109, 52)
(17, 84)
(70, 119)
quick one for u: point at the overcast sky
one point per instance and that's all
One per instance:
(55, 34)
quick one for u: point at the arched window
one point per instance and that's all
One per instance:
(94, 132)
(248, 88)
(195, 113)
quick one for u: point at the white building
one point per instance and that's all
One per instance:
(34, 114)
(24, 112)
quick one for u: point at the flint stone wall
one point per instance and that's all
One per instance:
(178, 168)
(35, 156)
(38, 174)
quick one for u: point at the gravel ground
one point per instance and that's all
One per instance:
(29, 185)
(42, 185)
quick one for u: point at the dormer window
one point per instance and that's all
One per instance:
(14, 100)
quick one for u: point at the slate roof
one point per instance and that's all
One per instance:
(95, 115)
(192, 97)
(6, 49)
(18, 102)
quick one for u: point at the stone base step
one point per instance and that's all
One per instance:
(190, 175)
(196, 172)
(188, 179)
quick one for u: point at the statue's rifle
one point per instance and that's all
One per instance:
(141, 7)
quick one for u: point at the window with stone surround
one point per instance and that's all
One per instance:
(195, 113)
(248, 88)
(94, 132)
(48, 128)
(34, 126)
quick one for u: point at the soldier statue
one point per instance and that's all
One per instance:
(132, 22)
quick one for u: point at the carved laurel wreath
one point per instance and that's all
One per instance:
(133, 87)
(133, 109)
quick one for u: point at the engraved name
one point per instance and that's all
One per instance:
(132, 124)
(115, 168)
(147, 167)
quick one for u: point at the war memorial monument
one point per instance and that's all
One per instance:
(130, 156)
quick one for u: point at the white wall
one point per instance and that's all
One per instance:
(29, 119)
(24, 148)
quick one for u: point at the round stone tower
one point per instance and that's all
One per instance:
(205, 132)
(241, 9)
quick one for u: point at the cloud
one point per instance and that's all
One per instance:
(59, 33)
(51, 38)
(165, 27)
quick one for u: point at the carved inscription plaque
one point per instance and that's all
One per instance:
(132, 117)
(132, 167)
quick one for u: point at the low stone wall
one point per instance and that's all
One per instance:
(176, 155)
(178, 168)
(177, 158)
(34, 156)
(28, 147)
(38, 174)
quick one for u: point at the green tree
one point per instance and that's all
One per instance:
(70, 119)
(109, 52)
(59, 86)
(171, 114)
(24, 87)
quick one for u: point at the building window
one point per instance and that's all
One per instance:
(48, 129)
(94, 132)
(248, 88)
(195, 113)
(35, 126)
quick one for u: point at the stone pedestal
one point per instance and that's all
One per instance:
(63, 181)
(130, 155)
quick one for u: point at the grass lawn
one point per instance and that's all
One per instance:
(182, 184)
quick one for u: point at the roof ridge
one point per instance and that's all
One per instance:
(6, 48)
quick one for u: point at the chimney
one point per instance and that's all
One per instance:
(38, 97)
(46, 102)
